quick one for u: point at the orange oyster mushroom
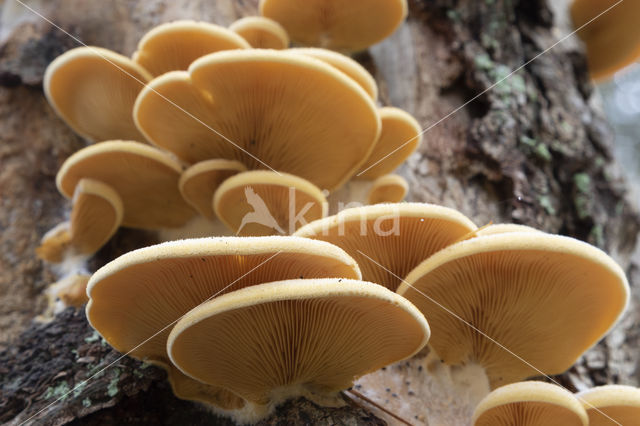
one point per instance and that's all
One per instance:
(262, 202)
(265, 108)
(343, 25)
(546, 298)
(135, 300)
(388, 189)
(609, 31)
(175, 45)
(261, 32)
(93, 90)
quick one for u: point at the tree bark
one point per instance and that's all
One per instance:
(529, 148)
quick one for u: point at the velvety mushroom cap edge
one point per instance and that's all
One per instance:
(531, 392)
(535, 241)
(131, 147)
(292, 290)
(365, 213)
(222, 246)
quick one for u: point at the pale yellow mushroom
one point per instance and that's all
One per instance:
(93, 90)
(545, 298)
(265, 108)
(343, 63)
(388, 189)
(145, 179)
(261, 32)
(389, 240)
(140, 295)
(262, 202)
(345, 25)
(199, 182)
(612, 405)
(175, 45)
(96, 215)
(609, 29)
(399, 138)
(298, 337)
(530, 404)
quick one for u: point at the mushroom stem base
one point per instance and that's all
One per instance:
(252, 412)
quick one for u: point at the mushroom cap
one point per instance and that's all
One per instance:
(175, 45)
(261, 202)
(396, 236)
(261, 32)
(96, 215)
(314, 334)
(55, 243)
(145, 178)
(388, 189)
(530, 404)
(545, 298)
(199, 182)
(140, 293)
(400, 136)
(611, 402)
(349, 25)
(343, 63)
(264, 108)
(72, 290)
(611, 36)
(184, 387)
(93, 90)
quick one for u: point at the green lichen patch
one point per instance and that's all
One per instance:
(546, 204)
(112, 388)
(60, 391)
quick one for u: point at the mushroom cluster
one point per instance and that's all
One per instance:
(504, 302)
(544, 404)
(231, 124)
(241, 323)
(198, 121)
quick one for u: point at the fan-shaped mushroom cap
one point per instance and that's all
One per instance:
(611, 36)
(199, 182)
(261, 32)
(314, 335)
(530, 404)
(546, 298)
(275, 109)
(135, 299)
(388, 189)
(609, 404)
(96, 215)
(145, 178)
(175, 45)
(138, 294)
(262, 202)
(348, 25)
(93, 90)
(400, 136)
(343, 63)
(390, 237)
